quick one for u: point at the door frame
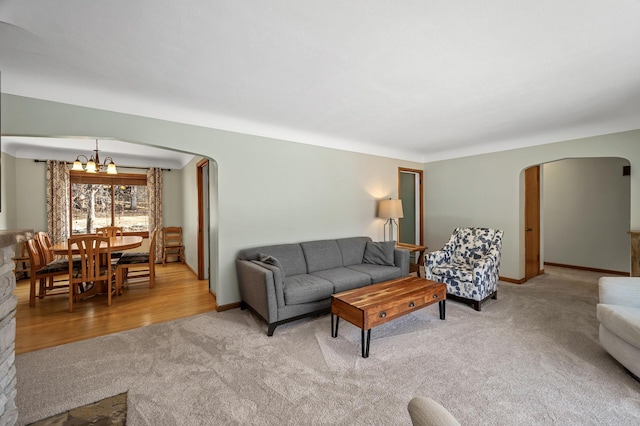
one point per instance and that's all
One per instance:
(532, 222)
(419, 173)
(201, 219)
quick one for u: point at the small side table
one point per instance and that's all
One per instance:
(414, 267)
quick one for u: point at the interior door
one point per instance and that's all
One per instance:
(532, 222)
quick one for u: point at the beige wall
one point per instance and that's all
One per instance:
(586, 213)
(189, 197)
(31, 194)
(268, 191)
(488, 190)
(8, 215)
(172, 209)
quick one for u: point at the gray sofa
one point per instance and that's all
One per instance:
(286, 282)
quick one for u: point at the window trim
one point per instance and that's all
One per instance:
(81, 177)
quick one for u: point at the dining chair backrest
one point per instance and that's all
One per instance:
(172, 236)
(95, 258)
(172, 243)
(152, 246)
(44, 243)
(21, 259)
(35, 256)
(109, 231)
(94, 265)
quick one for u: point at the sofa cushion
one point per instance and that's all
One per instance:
(352, 249)
(623, 321)
(270, 260)
(277, 272)
(379, 253)
(378, 273)
(321, 255)
(344, 279)
(290, 257)
(305, 288)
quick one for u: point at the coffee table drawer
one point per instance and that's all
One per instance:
(401, 307)
(437, 295)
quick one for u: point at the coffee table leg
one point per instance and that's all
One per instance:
(366, 343)
(442, 306)
(334, 330)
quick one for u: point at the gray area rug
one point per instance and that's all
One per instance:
(530, 357)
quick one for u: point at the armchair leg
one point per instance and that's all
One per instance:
(477, 305)
(494, 296)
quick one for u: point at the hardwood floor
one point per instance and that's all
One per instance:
(177, 294)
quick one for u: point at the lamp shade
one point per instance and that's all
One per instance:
(77, 165)
(111, 169)
(390, 209)
(91, 166)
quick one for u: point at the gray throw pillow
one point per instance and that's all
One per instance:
(270, 260)
(380, 253)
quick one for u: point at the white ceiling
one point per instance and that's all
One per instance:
(420, 80)
(122, 153)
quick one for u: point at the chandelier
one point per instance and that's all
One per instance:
(93, 163)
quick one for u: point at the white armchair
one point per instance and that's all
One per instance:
(427, 412)
(469, 264)
(619, 316)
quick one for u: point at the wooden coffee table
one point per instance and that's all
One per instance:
(373, 305)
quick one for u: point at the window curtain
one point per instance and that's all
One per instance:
(58, 187)
(154, 186)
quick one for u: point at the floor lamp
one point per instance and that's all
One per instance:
(390, 210)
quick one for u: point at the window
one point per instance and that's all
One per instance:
(103, 200)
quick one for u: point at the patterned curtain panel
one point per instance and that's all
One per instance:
(154, 185)
(58, 187)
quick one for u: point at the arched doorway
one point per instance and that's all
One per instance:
(577, 214)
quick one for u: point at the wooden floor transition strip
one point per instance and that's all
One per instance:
(108, 411)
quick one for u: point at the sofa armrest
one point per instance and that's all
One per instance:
(427, 412)
(401, 260)
(258, 289)
(624, 291)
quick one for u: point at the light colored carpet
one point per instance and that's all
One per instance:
(530, 357)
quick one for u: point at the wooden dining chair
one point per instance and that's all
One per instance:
(134, 265)
(40, 271)
(172, 243)
(21, 261)
(111, 231)
(44, 245)
(44, 242)
(95, 267)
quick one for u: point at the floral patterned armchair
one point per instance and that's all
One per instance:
(468, 264)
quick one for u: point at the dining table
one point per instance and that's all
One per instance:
(117, 243)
